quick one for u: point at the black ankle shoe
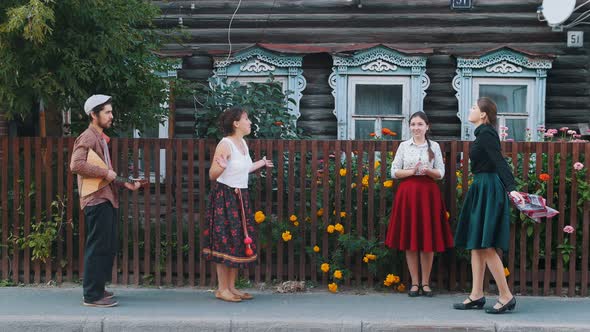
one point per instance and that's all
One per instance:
(477, 304)
(425, 292)
(415, 293)
(508, 306)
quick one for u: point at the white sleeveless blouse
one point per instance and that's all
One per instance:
(238, 166)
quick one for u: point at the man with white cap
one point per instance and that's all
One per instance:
(100, 208)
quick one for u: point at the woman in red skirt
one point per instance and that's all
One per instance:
(230, 238)
(418, 223)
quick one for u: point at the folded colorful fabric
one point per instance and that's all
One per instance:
(534, 207)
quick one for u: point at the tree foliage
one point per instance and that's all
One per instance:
(63, 51)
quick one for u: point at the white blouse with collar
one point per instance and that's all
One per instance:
(409, 154)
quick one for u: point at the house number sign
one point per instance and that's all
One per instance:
(461, 4)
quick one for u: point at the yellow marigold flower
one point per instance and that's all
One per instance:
(389, 280)
(330, 229)
(353, 185)
(388, 184)
(459, 186)
(259, 217)
(342, 214)
(339, 228)
(401, 288)
(338, 274)
(366, 259)
(287, 236)
(365, 180)
(333, 287)
(343, 172)
(371, 257)
(506, 272)
(316, 249)
(377, 164)
(325, 267)
(296, 223)
(320, 212)
(293, 218)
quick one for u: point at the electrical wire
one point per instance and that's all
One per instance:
(229, 30)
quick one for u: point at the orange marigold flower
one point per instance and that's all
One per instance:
(259, 217)
(320, 212)
(338, 274)
(330, 229)
(372, 134)
(316, 249)
(401, 288)
(325, 267)
(333, 287)
(544, 177)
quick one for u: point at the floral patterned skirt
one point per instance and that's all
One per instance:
(224, 232)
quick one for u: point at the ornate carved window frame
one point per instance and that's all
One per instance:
(381, 62)
(163, 127)
(257, 64)
(504, 65)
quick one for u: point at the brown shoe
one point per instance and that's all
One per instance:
(231, 298)
(246, 296)
(102, 303)
(108, 295)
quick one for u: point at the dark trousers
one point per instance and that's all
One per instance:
(101, 248)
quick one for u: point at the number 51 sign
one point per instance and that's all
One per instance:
(575, 39)
(461, 4)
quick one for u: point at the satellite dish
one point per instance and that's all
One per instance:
(557, 11)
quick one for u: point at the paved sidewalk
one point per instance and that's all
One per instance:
(60, 309)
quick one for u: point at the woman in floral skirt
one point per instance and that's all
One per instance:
(230, 238)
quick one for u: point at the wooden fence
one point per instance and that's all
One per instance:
(159, 230)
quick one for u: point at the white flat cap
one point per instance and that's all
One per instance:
(94, 101)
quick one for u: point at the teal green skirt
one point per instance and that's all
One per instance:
(484, 221)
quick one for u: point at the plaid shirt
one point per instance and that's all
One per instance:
(92, 139)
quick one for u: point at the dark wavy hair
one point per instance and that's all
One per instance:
(227, 118)
(424, 117)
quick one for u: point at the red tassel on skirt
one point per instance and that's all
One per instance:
(418, 218)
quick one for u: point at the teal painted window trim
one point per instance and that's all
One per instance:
(503, 67)
(385, 66)
(257, 64)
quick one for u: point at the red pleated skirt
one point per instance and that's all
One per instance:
(418, 219)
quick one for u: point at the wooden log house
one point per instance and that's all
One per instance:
(352, 58)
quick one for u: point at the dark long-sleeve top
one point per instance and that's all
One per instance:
(486, 156)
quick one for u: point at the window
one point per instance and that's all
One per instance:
(514, 79)
(513, 98)
(377, 103)
(161, 131)
(256, 64)
(377, 88)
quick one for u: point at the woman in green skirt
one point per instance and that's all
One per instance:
(484, 222)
